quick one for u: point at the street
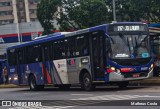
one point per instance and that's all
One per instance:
(103, 96)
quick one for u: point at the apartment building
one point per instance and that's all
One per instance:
(13, 11)
(18, 22)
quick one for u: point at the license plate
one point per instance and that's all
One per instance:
(136, 75)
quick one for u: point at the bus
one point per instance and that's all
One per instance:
(109, 53)
(154, 30)
(3, 63)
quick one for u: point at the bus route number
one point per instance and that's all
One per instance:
(128, 28)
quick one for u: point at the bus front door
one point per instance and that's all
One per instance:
(97, 50)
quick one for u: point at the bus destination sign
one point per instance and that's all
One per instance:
(129, 28)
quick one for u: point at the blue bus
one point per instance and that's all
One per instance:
(109, 53)
(3, 62)
(154, 30)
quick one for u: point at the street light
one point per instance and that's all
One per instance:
(19, 39)
(114, 10)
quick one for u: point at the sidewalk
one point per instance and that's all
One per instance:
(10, 86)
(151, 81)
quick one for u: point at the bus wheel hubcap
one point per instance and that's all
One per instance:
(32, 84)
(86, 82)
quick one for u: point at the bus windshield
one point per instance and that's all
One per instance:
(129, 46)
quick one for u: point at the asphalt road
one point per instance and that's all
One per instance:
(142, 97)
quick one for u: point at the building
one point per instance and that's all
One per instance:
(13, 11)
(18, 22)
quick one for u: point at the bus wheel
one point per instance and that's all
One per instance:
(86, 83)
(64, 87)
(32, 83)
(40, 87)
(123, 84)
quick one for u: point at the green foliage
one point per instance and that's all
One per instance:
(138, 10)
(79, 14)
(46, 13)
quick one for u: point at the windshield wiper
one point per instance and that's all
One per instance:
(138, 45)
(126, 43)
(122, 37)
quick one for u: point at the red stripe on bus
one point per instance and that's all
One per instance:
(48, 77)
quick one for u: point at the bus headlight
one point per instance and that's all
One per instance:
(151, 67)
(15, 78)
(9, 78)
(113, 68)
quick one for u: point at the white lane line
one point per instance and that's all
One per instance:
(64, 107)
(83, 94)
(31, 93)
(110, 97)
(150, 96)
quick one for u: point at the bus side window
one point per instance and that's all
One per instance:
(71, 47)
(34, 54)
(29, 54)
(58, 49)
(37, 53)
(82, 45)
(47, 49)
(20, 56)
(12, 57)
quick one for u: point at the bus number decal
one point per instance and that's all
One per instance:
(144, 68)
(71, 62)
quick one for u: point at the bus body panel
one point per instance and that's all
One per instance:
(142, 72)
(35, 69)
(57, 71)
(75, 66)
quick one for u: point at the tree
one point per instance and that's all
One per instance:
(138, 10)
(79, 14)
(46, 10)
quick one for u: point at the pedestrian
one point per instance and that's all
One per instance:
(4, 74)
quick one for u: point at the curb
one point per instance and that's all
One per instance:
(10, 86)
(151, 81)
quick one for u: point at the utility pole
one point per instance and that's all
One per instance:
(114, 10)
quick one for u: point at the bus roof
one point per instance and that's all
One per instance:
(51, 35)
(55, 37)
(127, 23)
(59, 36)
(154, 25)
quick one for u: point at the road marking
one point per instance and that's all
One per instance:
(110, 97)
(31, 93)
(85, 101)
(83, 94)
(149, 96)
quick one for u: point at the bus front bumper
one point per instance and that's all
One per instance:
(114, 76)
